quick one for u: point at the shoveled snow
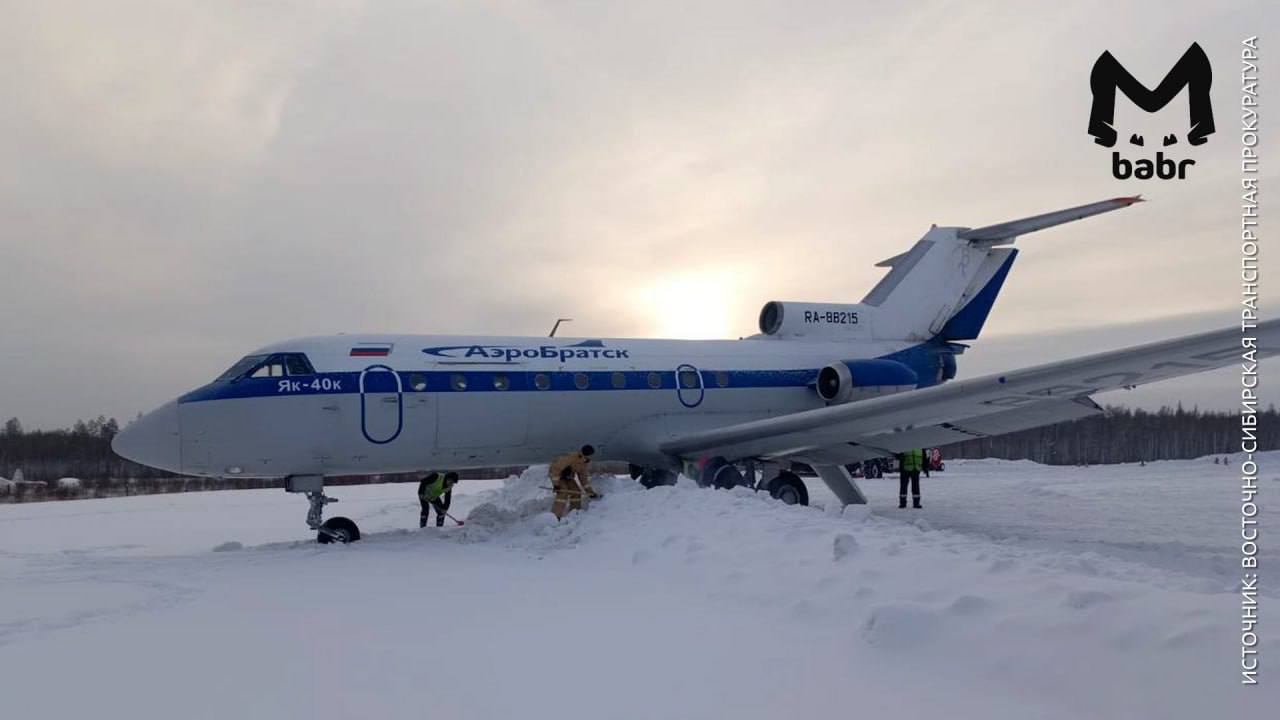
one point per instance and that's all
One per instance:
(1018, 591)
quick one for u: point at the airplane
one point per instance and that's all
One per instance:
(823, 384)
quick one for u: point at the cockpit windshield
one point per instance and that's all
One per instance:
(242, 366)
(268, 366)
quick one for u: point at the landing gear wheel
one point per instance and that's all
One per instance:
(339, 530)
(720, 474)
(656, 477)
(789, 488)
(726, 476)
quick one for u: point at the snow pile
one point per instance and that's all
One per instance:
(520, 497)
(522, 508)
(1018, 591)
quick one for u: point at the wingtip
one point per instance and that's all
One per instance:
(1127, 201)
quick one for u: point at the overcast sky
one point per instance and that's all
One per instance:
(181, 183)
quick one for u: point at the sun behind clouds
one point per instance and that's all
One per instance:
(697, 304)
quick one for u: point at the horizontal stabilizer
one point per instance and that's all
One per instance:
(1007, 231)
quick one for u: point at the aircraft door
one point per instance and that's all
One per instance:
(689, 387)
(381, 404)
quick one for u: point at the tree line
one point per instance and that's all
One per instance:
(1124, 435)
(81, 451)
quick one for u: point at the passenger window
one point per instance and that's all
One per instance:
(722, 378)
(501, 382)
(458, 382)
(655, 380)
(581, 381)
(689, 379)
(541, 381)
(417, 382)
(619, 381)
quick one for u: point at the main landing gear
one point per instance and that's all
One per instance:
(777, 480)
(335, 529)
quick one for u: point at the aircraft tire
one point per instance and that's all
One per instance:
(656, 477)
(789, 488)
(720, 474)
(339, 529)
(726, 476)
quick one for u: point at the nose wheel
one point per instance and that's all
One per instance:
(339, 530)
(335, 529)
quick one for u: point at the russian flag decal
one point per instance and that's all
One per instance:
(371, 350)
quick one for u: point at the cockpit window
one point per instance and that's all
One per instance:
(273, 367)
(242, 366)
(297, 364)
(268, 366)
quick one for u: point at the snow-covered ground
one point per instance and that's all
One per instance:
(1018, 591)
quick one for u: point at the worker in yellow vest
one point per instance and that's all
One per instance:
(909, 465)
(436, 491)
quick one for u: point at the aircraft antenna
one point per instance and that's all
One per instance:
(556, 327)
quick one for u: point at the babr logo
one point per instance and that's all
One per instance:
(1192, 71)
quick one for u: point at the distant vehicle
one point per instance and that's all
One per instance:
(933, 457)
(822, 384)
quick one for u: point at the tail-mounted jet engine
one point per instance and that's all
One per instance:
(816, 321)
(851, 380)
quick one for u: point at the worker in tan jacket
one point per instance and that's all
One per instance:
(569, 492)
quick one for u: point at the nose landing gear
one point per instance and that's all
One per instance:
(335, 529)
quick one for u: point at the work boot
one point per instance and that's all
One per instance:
(902, 501)
(915, 502)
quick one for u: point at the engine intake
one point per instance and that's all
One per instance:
(850, 380)
(818, 321)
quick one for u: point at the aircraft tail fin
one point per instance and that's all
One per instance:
(945, 286)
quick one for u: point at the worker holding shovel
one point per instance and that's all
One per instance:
(569, 493)
(436, 491)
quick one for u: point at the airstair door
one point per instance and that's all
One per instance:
(381, 404)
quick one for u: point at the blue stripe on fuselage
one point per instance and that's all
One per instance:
(484, 381)
(922, 358)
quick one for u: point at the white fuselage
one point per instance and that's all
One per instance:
(457, 402)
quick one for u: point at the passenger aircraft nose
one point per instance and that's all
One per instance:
(154, 439)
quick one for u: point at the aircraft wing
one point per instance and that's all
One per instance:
(966, 409)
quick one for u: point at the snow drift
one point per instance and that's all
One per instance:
(1018, 591)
